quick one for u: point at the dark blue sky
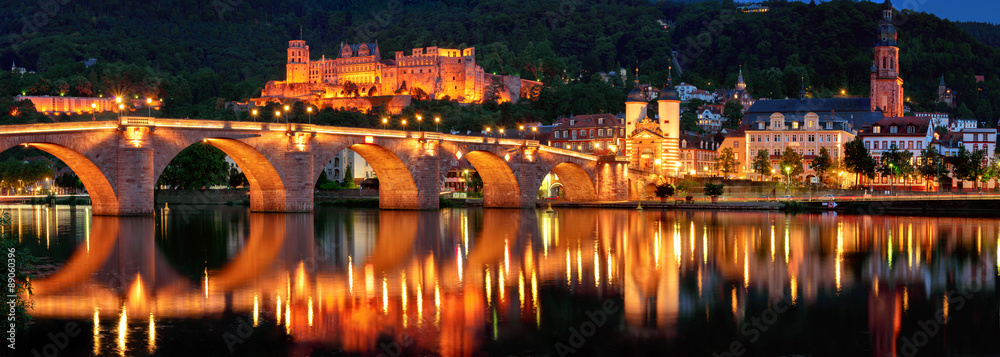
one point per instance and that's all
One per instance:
(955, 10)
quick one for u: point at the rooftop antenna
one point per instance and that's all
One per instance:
(300, 32)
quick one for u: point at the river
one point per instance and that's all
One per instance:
(219, 280)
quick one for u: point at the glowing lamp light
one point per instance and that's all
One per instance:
(506, 157)
(369, 139)
(458, 155)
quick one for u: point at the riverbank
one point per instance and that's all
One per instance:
(724, 206)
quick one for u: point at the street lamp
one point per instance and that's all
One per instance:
(286, 114)
(488, 130)
(149, 107)
(404, 124)
(310, 111)
(520, 131)
(277, 115)
(253, 114)
(501, 132)
(437, 121)
(420, 120)
(385, 123)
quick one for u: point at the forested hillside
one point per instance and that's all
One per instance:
(198, 54)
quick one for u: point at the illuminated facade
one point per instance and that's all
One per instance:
(653, 144)
(886, 86)
(358, 75)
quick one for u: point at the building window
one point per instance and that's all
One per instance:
(736, 144)
(910, 129)
(893, 129)
(557, 135)
(600, 132)
(876, 146)
(876, 129)
(591, 133)
(795, 125)
(777, 138)
(920, 145)
(812, 138)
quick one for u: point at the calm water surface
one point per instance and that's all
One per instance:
(221, 281)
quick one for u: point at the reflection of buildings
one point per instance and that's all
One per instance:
(470, 275)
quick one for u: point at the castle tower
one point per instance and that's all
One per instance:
(297, 68)
(886, 86)
(669, 106)
(635, 107)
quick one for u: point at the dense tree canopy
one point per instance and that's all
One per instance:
(197, 54)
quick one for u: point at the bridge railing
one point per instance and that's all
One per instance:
(136, 121)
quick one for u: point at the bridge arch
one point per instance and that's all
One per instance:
(267, 190)
(500, 186)
(576, 182)
(397, 186)
(99, 188)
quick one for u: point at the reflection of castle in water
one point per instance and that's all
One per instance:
(448, 279)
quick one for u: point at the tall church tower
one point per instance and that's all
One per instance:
(886, 86)
(297, 68)
(669, 106)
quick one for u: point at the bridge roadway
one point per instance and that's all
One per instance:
(119, 162)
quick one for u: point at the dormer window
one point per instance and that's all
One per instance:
(876, 129)
(600, 121)
(829, 125)
(795, 125)
(572, 122)
(910, 129)
(684, 143)
(760, 125)
(893, 129)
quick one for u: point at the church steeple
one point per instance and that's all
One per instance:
(802, 91)
(740, 84)
(886, 85)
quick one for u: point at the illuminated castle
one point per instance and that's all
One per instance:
(359, 78)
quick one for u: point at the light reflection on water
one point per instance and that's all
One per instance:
(457, 281)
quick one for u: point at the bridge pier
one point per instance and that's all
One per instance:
(612, 178)
(299, 185)
(135, 182)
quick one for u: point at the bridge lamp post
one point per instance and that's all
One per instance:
(310, 111)
(437, 122)
(277, 115)
(286, 114)
(520, 131)
(403, 124)
(420, 120)
(488, 130)
(385, 123)
(534, 130)
(501, 133)
(253, 114)
(149, 107)
(93, 111)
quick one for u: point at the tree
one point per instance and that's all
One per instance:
(237, 178)
(791, 163)
(896, 163)
(969, 166)
(713, 190)
(858, 160)
(930, 165)
(348, 181)
(664, 190)
(822, 163)
(762, 163)
(726, 162)
(198, 166)
(473, 182)
(733, 111)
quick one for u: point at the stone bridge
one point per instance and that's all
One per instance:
(119, 162)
